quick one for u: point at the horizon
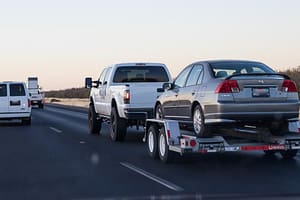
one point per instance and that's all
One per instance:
(62, 42)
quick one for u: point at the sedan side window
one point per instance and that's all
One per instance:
(181, 78)
(194, 75)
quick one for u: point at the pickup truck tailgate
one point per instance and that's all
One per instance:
(144, 94)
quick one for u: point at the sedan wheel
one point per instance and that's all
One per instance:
(198, 122)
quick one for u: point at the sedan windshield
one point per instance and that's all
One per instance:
(224, 69)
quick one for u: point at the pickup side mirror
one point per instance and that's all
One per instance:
(167, 86)
(88, 82)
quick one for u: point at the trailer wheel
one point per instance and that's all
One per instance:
(152, 142)
(289, 154)
(164, 153)
(118, 126)
(94, 123)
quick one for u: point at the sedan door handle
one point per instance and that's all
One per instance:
(193, 93)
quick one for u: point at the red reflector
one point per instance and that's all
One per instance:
(264, 147)
(228, 86)
(193, 143)
(169, 133)
(289, 86)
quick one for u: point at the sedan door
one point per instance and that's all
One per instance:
(186, 95)
(170, 105)
(3, 98)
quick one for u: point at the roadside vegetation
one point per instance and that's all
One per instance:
(293, 73)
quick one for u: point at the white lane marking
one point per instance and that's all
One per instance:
(161, 181)
(82, 142)
(55, 129)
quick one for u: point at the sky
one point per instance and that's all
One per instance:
(64, 41)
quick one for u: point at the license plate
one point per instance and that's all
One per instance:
(260, 92)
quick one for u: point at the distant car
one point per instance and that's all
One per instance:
(15, 102)
(231, 91)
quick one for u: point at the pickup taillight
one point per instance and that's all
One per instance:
(228, 86)
(29, 103)
(289, 86)
(127, 97)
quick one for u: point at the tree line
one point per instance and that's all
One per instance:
(293, 73)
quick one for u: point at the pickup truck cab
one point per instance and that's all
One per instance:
(125, 95)
(15, 102)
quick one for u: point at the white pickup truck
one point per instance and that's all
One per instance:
(125, 95)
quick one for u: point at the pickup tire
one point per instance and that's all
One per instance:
(118, 126)
(26, 121)
(94, 123)
(41, 105)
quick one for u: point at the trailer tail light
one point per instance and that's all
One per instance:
(127, 96)
(228, 86)
(29, 103)
(289, 86)
(193, 143)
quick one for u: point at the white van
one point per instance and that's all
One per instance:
(15, 102)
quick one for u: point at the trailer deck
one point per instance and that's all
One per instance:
(164, 138)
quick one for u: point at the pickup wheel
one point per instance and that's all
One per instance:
(41, 105)
(152, 142)
(164, 153)
(94, 123)
(289, 154)
(26, 122)
(118, 126)
(198, 122)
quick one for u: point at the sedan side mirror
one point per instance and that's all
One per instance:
(88, 82)
(167, 86)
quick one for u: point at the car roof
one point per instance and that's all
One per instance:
(225, 60)
(9, 82)
(138, 64)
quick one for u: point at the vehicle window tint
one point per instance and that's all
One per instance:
(223, 69)
(107, 74)
(140, 74)
(17, 90)
(194, 75)
(3, 90)
(181, 78)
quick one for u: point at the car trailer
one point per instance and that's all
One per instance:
(164, 139)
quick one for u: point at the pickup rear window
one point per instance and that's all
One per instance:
(17, 90)
(3, 90)
(140, 74)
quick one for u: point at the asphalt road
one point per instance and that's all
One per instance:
(56, 158)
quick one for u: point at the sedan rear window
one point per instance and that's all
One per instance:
(3, 90)
(140, 74)
(224, 69)
(17, 90)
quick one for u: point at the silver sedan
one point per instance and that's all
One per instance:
(229, 91)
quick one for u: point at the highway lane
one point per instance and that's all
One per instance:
(56, 158)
